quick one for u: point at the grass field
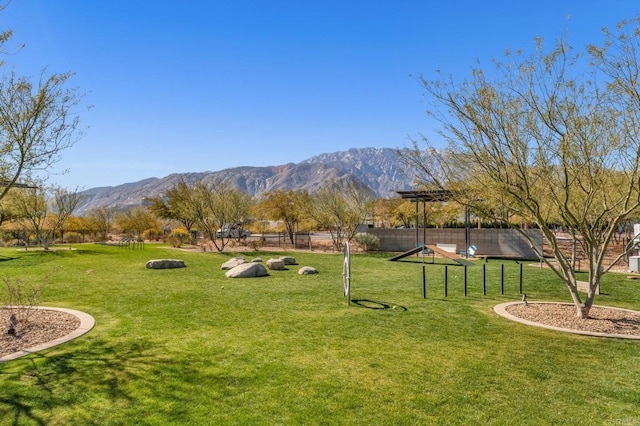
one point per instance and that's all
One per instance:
(190, 346)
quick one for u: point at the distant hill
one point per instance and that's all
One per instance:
(379, 169)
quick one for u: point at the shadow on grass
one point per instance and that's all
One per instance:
(373, 304)
(79, 381)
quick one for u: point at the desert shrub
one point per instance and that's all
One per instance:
(152, 234)
(256, 243)
(6, 237)
(72, 237)
(178, 237)
(367, 242)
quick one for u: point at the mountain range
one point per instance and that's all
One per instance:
(380, 169)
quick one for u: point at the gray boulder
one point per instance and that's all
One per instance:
(248, 270)
(165, 264)
(275, 264)
(288, 260)
(233, 262)
(307, 270)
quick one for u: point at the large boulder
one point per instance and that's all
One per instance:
(288, 260)
(276, 264)
(248, 270)
(233, 262)
(307, 270)
(165, 264)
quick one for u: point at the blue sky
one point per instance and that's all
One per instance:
(193, 86)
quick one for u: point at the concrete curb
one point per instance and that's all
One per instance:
(86, 323)
(501, 310)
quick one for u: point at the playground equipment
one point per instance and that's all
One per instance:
(346, 273)
(435, 196)
(407, 253)
(445, 280)
(452, 256)
(437, 249)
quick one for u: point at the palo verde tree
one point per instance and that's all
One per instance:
(138, 223)
(37, 121)
(285, 205)
(44, 211)
(175, 204)
(554, 136)
(216, 204)
(100, 219)
(340, 207)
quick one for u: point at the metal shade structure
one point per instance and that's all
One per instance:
(427, 196)
(5, 183)
(434, 195)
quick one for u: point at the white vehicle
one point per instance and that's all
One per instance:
(232, 231)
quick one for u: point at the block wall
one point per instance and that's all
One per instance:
(489, 242)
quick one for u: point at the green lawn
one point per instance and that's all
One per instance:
(190, 346)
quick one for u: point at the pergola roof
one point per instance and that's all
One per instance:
(4, 183)
(427, 196)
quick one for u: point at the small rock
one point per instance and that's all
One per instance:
(307, 270)
(165, 264)
(288, 260)
(275, 264)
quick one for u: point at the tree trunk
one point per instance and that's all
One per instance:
(582, 309)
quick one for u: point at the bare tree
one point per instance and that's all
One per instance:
(554, 137)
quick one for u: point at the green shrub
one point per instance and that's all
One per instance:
(178, 237)
(152, 234)
(367, 242)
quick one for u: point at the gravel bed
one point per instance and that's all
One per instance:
(39, 327)
(601, 319)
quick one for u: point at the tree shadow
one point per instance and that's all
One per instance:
(81, 380)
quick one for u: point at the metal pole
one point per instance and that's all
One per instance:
(424, 283)
(521, 278)
(484, 279)
(467, 232)
(465, 280)
(502, 278)
(417, 230)
(424, 224)
(446, 279)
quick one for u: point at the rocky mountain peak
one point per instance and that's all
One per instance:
(380, 169)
